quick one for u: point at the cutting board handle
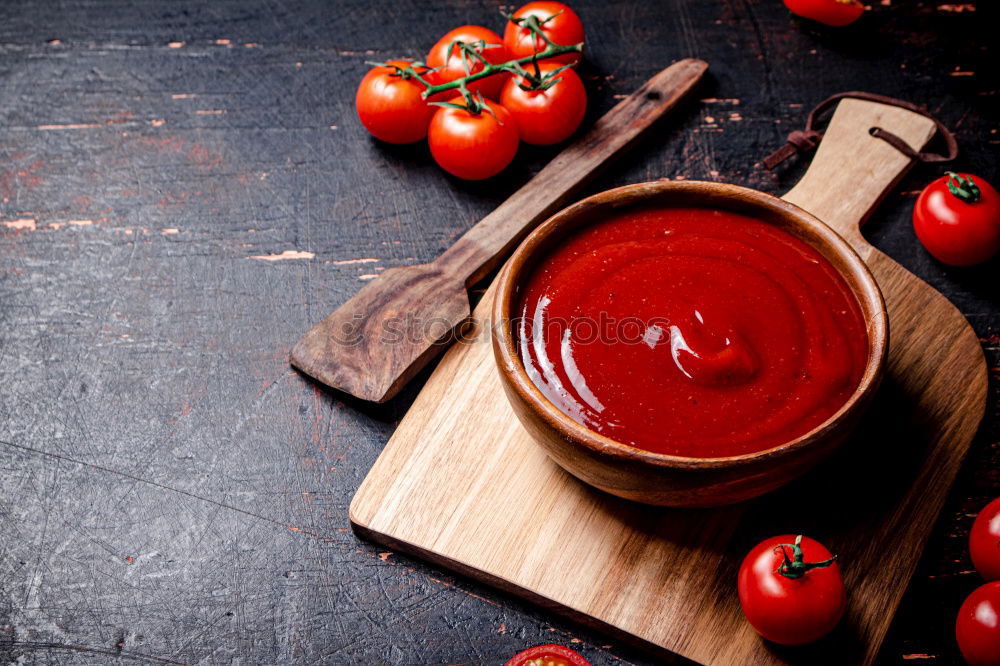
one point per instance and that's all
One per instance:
(853, 170)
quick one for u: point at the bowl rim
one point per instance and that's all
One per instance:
(511, 367)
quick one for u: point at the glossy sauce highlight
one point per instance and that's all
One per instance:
(691, 332)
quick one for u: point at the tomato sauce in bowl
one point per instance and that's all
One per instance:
(690, 331)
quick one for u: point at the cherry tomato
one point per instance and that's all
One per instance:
(984, 541)
(545, 117)
(390, 105)
(957, 218)
(831, 12)
(547, 655)
(451, 64)
(559, 24)
(472, 146)
(791, 590)
(977, 628)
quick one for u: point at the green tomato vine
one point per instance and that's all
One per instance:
(471, 52)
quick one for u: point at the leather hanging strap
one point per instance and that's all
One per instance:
(801, 141)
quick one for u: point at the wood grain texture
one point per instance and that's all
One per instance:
(190, 446)
(386, 333)
(461, 483)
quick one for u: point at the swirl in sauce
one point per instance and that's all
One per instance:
(691, 332)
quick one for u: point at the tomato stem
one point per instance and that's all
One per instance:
(535, 26)
(474, 104)
(963, 188)
(796, 567)
(538, 80)
(405, 73)
(472, 51)
(469, 51)
(512, 66)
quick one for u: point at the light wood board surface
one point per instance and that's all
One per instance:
(460, 483)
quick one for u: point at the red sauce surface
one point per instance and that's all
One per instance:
(691, 332)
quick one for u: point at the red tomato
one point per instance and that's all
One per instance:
(545, 117)
(984, 541)
(791, 590)
(957, 218)
(558, 22)
(831, 12)
(450, 64)
(547, 655)
(390, 105)
(472, 146)
(977, 628)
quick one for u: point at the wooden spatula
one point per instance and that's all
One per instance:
(375, 342)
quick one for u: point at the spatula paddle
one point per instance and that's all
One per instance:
(375, 342)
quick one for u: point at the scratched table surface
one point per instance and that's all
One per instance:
(184, 189)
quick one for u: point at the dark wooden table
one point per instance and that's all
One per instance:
(184, 189)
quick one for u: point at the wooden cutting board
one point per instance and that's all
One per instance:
(462, 485)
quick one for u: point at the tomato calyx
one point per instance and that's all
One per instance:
(533, 24)
(470, 52)
(490, 69)
(538, 80)
(965, 189)
(474, 104)
(796, 567)
(472, 59)
(405, 73)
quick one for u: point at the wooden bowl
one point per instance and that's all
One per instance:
(669, 480)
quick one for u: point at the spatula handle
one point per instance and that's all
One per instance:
(484, 246)
(852, 170)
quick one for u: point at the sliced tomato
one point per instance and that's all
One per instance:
(547, 655)
(836, 13)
